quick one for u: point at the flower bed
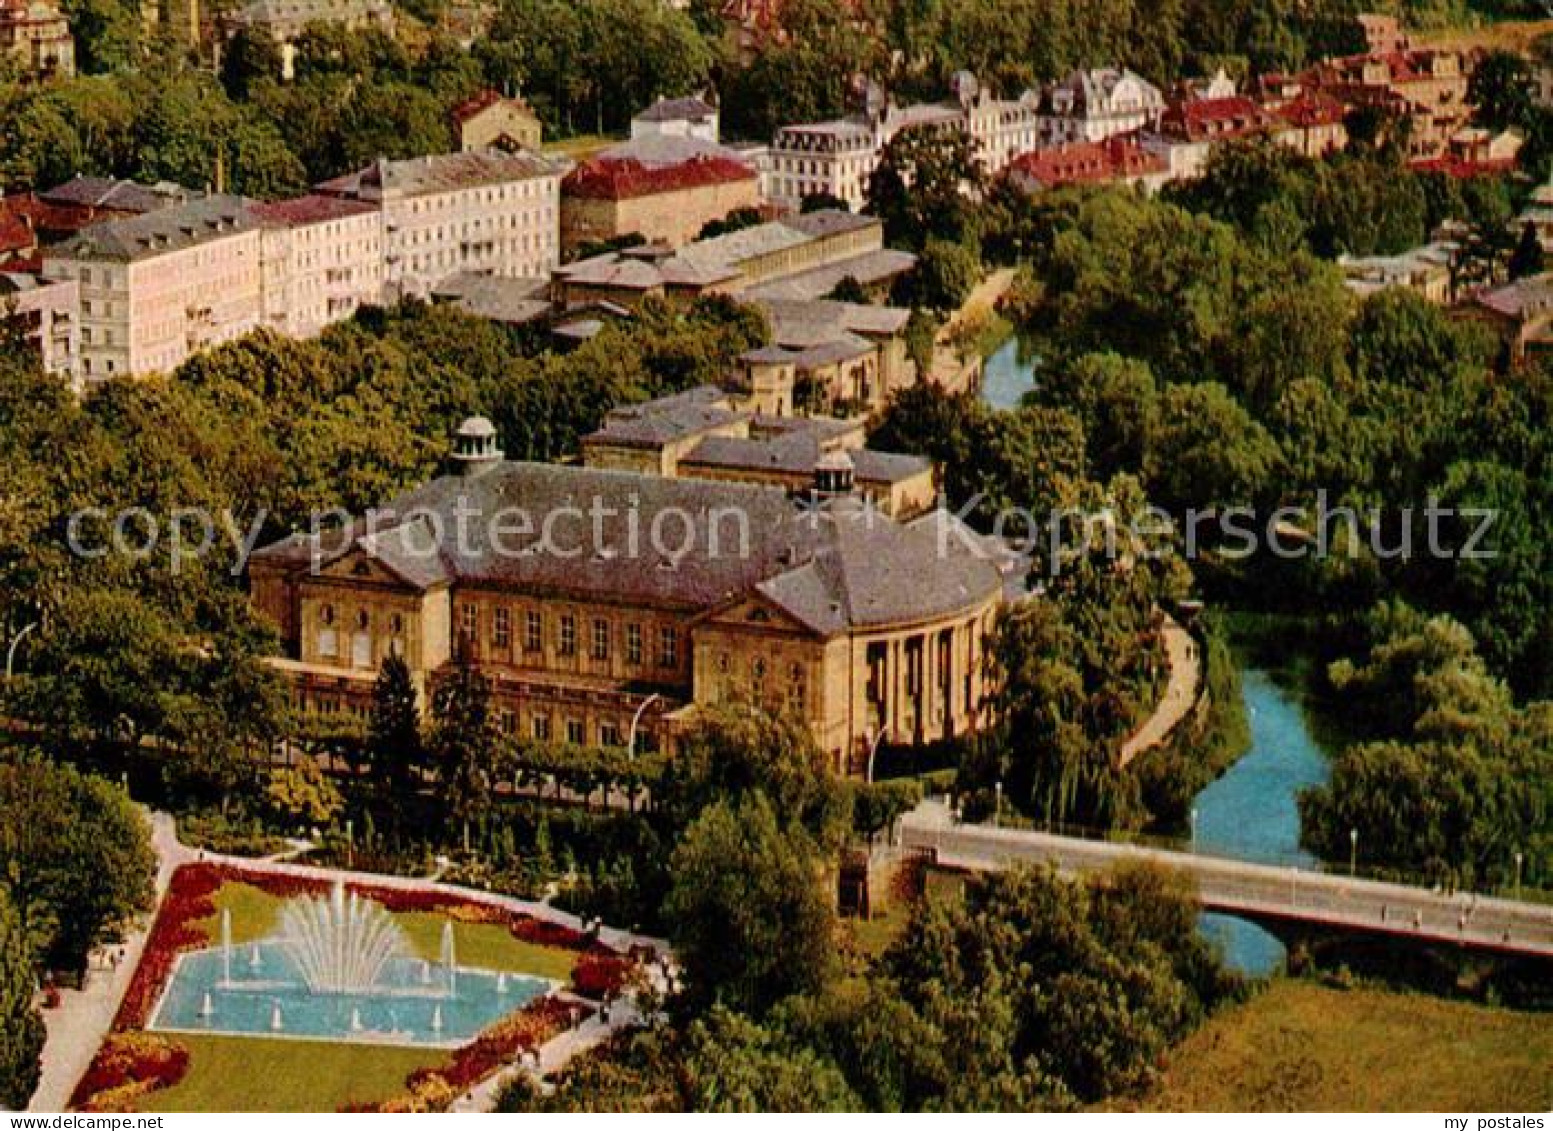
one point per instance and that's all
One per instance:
(433, 1089)
(602, 974)
(188, 900)
(127, 1067)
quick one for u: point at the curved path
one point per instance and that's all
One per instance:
(76, 1028)
(1180, 693)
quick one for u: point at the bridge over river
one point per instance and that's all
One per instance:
(1261, 892)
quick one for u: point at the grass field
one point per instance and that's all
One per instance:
(234, 1074)
(1299, 1047)
(1509, 35)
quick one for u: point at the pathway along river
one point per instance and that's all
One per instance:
(1251, 813)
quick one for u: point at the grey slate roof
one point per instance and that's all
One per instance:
(515, 302)
(441, 172)
(797, 453)
(832, 567)
(663, 421)
(169, 229)
(677, 110)
(114, 195)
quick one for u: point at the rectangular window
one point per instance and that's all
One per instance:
(506, 721)
(609, 735)
(567, 643)
(668, 648)
(601, 640)
(534, 632)
(541, 725)
(501, 630)
(471, 621)
(576, 732)
(633, 644)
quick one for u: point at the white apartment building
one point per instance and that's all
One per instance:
(693, 118)
(838, 157)
(1097, 104)
(322, 259)
(485, 211)
(156, 288)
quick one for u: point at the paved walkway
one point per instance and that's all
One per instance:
(951, 371)
(1180, 693)
(76, 1028)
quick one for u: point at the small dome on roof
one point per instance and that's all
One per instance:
(476, 428)
(837, 460)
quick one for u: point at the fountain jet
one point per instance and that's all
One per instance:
(341, 944)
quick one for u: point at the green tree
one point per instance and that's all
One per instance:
(750, 918)
(394, 741)
(733, 1064)
(1502, 88)
(21, 1027)
(1528, 258)
(464, 741)
(923, 187)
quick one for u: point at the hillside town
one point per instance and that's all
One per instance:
(775, 555)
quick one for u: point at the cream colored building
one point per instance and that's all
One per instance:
(484, 211)
(322, 260)
(866, 628)
(156, 288)
(49, 315)
(492, 121)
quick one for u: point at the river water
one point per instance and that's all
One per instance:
(1251, 813)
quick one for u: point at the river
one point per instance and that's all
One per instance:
(1251, 813)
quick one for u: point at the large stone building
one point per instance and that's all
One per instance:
(710, 433)
(156, 288)
(799, 257)
(665, 189)
(485, 211)
(1097, 104)
(597, 601)
(838, 158)
(36, 34)
(284, 21)
(321, 261)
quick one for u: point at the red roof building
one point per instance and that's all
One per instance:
(1113, 161)
(665, 189)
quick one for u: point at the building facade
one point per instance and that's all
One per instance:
(37, 35)
(693, 118)
(1097, 104)
(492, 121)
(156, 288)
(284, 21)
(665, 189)
(48, 313)
(484, 211)
(321, 261)
(863, 627)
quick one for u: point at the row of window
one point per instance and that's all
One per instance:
(601, 639)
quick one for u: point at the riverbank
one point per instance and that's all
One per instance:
(1302, 1046)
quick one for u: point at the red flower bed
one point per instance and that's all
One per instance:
(432, 1089)
(128, 1066)
(601, 974)
(188, 900)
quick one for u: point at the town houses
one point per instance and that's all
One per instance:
(36, 35)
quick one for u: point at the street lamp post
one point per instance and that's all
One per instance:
(10, 653)
(1353, 852)
(636, 721)
(874, 742)
(1194, 829)
(997, 812)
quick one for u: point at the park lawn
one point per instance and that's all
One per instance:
(490, 946)
(1297, 1046)
(239, 1074)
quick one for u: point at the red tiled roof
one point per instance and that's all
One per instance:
(312, 209)
(482, 101)
(624, 178)
(1087, 163)
(1201, 119)
(16, 234)
(1463, 169)
(1312, 109)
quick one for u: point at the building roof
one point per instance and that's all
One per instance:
(266, 13)
(667, 419)
(16, 233)
(678, 110)
(798, 322)
(315, 208)
(110, 194)
(1214, 119)
(181, 226)
(654, 165)
(441, 172)
(515, 302)
(829, 222)
(830, 567)
(480, 103)
(798, 453)
(1085, 162)
(869, 269)
(1520, 299)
